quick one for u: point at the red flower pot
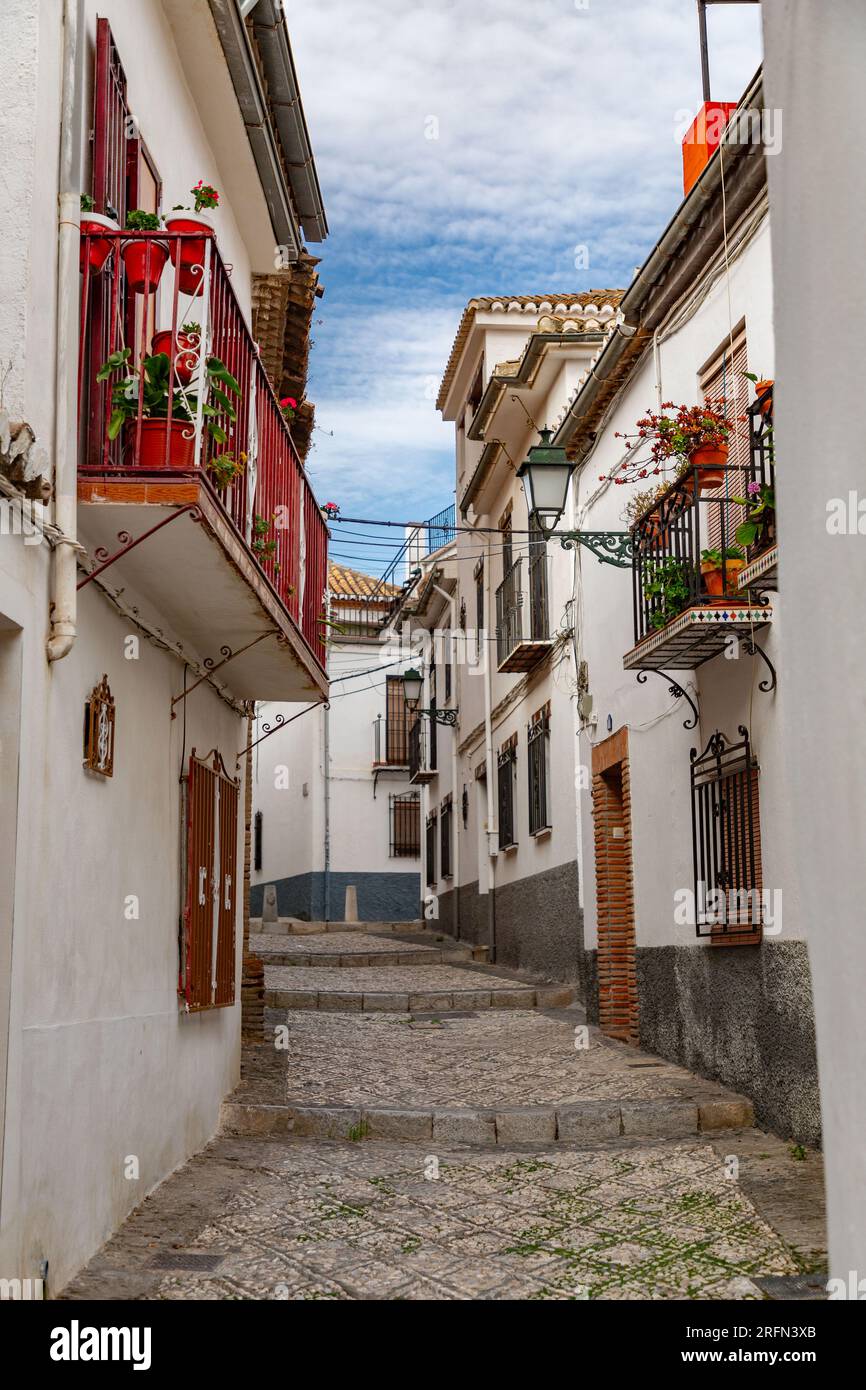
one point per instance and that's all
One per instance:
(184, 356)
(181, 445)
(144, 275)
(710, 460)
(99, 247)
(760, 388)
(187, 256)
(714, 576)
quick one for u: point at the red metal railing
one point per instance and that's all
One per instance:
(270, 502)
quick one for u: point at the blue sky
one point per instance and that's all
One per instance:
(468, 147)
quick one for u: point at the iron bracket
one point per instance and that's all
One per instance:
(751, 648)
(609, 547)
(678, 692)
(127, 543)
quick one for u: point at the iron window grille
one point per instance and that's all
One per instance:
(405, 825)
(479, 607)
(538, 618)
(726, 841)
(431, 850)
(506, 774)
(538, 748)
(445, 831)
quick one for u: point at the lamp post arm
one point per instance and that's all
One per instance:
(609, 547)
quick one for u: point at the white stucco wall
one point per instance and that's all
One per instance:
(815, 60)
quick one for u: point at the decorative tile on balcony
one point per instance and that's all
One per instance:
(696, 636)
(762, 573)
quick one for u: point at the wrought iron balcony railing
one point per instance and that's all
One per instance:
(170, 292)
(439, 530)
(522, 625)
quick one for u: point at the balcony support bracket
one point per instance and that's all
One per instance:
(751, 648)
(280, 722)
(678, 691)
(608, 547)
(440, 716)
(211, 666)
(127, 543)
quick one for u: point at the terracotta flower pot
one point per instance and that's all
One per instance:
(184, 356)
(760, 388)
(144, 275)
(714, 576)
(187, 256)
(181, 445)
(710, 460)
(99, 247)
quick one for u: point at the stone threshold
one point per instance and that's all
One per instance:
(583, 1121)
(428, 1001)
(292, 926)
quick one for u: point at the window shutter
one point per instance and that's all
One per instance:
(723, 380)
(110, 126)
(207, 976)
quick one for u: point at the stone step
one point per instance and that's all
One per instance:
(423, 956)
(293, 926)
(577, 1123)
(421, 1001)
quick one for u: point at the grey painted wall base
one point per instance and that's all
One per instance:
(381, 897)
(538, 923)
(741, 1015)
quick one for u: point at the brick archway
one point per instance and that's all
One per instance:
(617, 971)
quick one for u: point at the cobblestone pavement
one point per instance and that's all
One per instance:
(398, 979)
(490, 1058)
(255, 1219)
(334, 944)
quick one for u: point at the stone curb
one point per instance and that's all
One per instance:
(420, 1001)
(287, 926)
(427, 956)
(580, 1122)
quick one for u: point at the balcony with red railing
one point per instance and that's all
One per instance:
(187, 469)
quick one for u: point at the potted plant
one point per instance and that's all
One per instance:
(263, 546)
(184, 355)
(288, 408)
(719, 569)
(153, 383)
(144, 260)
(226, 468)
(761, 384)
(758, 531)
(187, 256)
(695, 437)
(92, 222)
(667, 587)
(638, 510)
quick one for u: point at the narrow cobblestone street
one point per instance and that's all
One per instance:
(462, 1153)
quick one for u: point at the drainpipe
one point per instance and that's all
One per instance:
(455, 760)
(492, 803)
(64, 570)
(326, 771)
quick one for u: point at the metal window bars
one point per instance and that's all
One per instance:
(538, 751)
(506, 768)
(726, 845)
(405, 825)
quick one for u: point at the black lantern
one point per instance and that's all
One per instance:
(413, 682)
(546, 476)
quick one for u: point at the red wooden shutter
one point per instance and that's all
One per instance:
(208, 948)
(111, 127)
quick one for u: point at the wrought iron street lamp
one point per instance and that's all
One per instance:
(413, 683)
(546, 476)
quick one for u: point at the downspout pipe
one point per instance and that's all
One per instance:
(64, 607)
(490, 761)
(451, 600)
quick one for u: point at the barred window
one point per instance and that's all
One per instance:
(538, 748)
(726, 839)
(405, 816)
(479, 605)
(445, 831)
(431, 850)
(506, 777)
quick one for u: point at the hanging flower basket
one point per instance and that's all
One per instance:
(151, 455)
(99, 247)
(143, 272)
(187, 256)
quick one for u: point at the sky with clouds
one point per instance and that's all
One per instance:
(468, 147)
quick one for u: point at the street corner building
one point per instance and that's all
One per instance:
(163, 565)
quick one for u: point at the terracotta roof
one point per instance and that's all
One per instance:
(562, 305)
(345, 583)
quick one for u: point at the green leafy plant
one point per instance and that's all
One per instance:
(88, 203)
(139, 221)
(206, 196)
(153, 383)
(264, 546)
(227, 467)
(667, 587)
(761, 502)
(640, 502)
(191, 328)
(798, 1152)
(718, 557)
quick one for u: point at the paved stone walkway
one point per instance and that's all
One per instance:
(537, 1159)
(301, 1219)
